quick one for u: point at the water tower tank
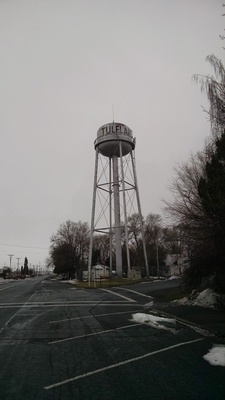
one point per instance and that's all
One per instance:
(109, 137)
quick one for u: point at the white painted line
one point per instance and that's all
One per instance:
(74, 305)
(97, 371)
(93, 316)
(8, 287)
(7, 323)
(120, 295)
(34, 314)
(134, 291)
(94, 333)
(43, 303)
(48, 302)
(15, 314)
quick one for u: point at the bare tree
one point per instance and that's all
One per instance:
(198, 188)
(101, 249)
(155, 242)
(70, 243)
(134, 229)
(214, 86)
(185, 208)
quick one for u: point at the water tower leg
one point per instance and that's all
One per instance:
(92, 217)
(117, 216)
(110, 217)
(140, 213)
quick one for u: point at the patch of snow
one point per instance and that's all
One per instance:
(184, 301)
(153, 321)
(153, 279)
(73, 281)
(208, 299)
(174, 277)
(216, 356)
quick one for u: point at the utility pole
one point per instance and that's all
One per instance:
(10, 259)
(18, 262)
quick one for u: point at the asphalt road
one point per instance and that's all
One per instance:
(59, 342)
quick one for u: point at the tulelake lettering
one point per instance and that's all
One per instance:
(116, 129)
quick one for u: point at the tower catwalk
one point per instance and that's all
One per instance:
(114, 193)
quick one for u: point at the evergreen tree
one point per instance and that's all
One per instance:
(212, 194)
(25, 267)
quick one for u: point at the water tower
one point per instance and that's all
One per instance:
(115, 191)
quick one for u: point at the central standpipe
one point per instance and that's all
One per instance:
(117, 226)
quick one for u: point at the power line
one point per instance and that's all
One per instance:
(28, 247)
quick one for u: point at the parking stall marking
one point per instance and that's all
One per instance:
(82, 304)
(94, 316)
(134, 291)
(120, 295)
(108, 367)
(94, 333)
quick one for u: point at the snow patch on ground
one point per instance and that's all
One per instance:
(72, 281)
(174, 277)
(216, 356)
(154, 321)
(208, 299)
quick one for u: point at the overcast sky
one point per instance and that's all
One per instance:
(63, 64)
